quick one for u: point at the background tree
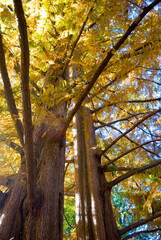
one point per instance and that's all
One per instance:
(99, 59)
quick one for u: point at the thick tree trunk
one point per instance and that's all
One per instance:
(51, 179)
(42, 219)
(94, 214)
(46, 220)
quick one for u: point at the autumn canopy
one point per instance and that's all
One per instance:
(80, 154)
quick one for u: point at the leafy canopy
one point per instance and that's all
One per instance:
(126, 91)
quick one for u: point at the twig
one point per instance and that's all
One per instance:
(130, 150)
(129, 130)
(132, 141)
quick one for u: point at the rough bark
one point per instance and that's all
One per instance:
(47, 218)
(94, 214)
(43, 219)
(51, 179)
(11, 215)
(46, 221)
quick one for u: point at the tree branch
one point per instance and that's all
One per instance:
(76, 41)
(136, 52)
(104, 63)
(103, 124)
(129, 130)
(66, 219)
(69, 161)
(132, 141)
(139, 101)
(68, 193)
(35, 85)
(109, 104)
(9, 94)
(130, 150)
(135, 4)
(141, 232)
(139, 223)
(115, 168)
(13, 145)
(131, 173)
(26, 104)
(148, 80)
(8, 181)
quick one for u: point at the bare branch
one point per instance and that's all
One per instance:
(129, 130)
(139, 223)
(141, 232)
(66, 168)
(152, 69)
(26, 103)
(9, 94)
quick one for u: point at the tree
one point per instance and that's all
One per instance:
(97, 61)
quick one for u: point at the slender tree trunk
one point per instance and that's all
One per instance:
(94, 214)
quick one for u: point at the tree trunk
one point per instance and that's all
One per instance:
(94, 214)
(46, 220)
(12, 215)
(48, 217)
(42, 219)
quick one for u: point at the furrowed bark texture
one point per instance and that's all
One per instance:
(51, 181)
(47, 219)
(44, 219)
(94, 214)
